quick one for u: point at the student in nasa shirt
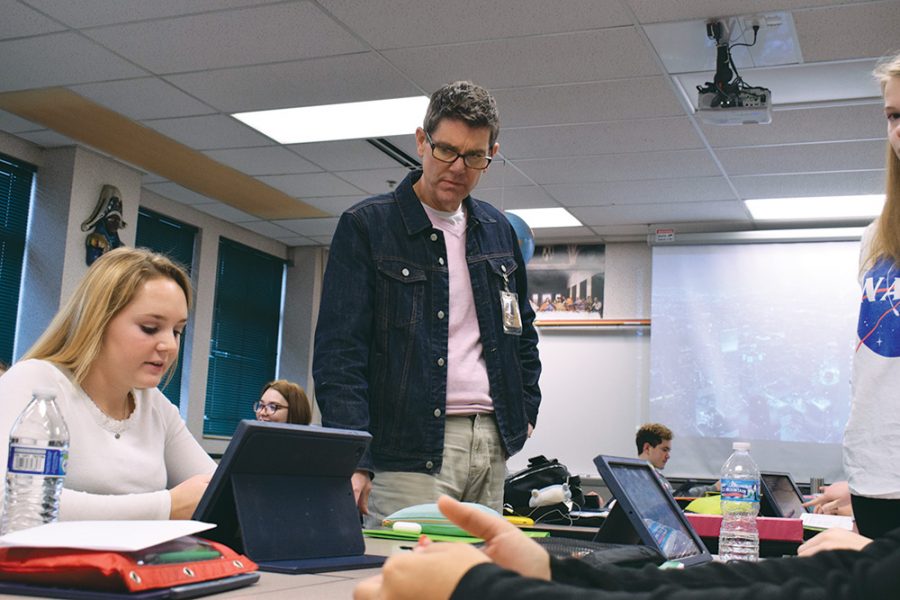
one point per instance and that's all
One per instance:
(872, 436)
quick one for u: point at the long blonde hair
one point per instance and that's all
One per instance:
(75, 336)
(886, 241)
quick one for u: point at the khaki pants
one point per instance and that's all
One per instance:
(474, 468)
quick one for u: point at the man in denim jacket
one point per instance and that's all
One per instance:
(419, 340)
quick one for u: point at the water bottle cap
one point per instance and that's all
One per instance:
(740, 446)
(44, 392)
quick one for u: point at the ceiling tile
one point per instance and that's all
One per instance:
(209, 132)
(300, 83)
(375, 181)
(269, 229)
(804, 158)
(47, 139)
(11, 123)
(225, 212)
(502, 173)
(848, 183)
(173, 191)
(650, 191)
(311, 227)
(856, 122)
(267, 160)
(21, 21)
(86, 13)
(344, 155)
(652, 11)
(587, 102)
(145, 98)
(311, 184)
(612, 137)
(280, 32)
(503, 198)
(842, 32)
(334, 205)
(569, 233)
(65, 58)
(670, 212)
(424, 22)
(528, 61)
(621, 167)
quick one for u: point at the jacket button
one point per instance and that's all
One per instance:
(440, 314)
(405, 272)
(503, 268)
(440, 362)
(441, 260)
(433, 237)
(429, 465)
(437, 412)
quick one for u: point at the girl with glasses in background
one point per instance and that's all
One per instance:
(283, 401)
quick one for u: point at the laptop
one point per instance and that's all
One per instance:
(646, 513)
(282, 496)
(780, 496)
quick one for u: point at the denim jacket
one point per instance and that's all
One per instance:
(379, 362)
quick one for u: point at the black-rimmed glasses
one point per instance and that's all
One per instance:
(267, 409)
(446, 154)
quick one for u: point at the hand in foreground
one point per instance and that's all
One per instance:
(432, 572)
(362, 485)
(833, 539)
(504, 543)
(834, 499)
(186, 495)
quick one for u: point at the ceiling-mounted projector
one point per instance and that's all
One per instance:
(726, 102)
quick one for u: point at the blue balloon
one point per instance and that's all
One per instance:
(524, 233)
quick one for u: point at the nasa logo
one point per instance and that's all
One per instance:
(879, 317)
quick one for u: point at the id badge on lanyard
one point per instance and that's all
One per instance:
(509, 308)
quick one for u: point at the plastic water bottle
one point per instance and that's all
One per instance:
(738, 537)
(674, 543)
(38, 453)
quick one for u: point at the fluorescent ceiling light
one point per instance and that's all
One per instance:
(816, 208)
(347, 121)
(546, 217)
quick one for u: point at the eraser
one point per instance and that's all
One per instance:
(407, 527)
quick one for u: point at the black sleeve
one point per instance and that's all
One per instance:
(838, 575)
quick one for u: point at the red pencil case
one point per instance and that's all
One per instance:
(185, 560)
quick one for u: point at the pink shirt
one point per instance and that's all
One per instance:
(468, 388)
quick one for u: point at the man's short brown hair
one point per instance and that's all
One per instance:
(653, 434)
(463, 101)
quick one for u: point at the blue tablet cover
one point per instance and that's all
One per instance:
(282, 496)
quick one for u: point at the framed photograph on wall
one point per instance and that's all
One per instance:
(565, 283)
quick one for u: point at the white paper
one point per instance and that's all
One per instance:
(820, 521)
(124, 536)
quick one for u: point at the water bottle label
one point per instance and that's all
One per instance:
(30, 460)
(740, 490)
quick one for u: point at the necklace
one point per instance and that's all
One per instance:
(115, 426)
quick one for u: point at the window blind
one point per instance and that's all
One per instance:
(244, 343)
(176, 240)
(16, 180)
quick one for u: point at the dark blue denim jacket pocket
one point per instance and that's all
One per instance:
(399, 293)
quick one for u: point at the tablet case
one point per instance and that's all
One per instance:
(177, 592)
(626, 520)
(282, 495)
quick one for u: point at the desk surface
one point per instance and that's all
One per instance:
(321, 586)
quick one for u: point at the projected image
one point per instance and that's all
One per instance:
(565, 283)
(754, 341)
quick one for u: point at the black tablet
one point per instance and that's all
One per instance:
(780, 496)
(282, 496)
(645, 512)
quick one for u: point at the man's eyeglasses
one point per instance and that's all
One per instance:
(442, 153)
(267, 409)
